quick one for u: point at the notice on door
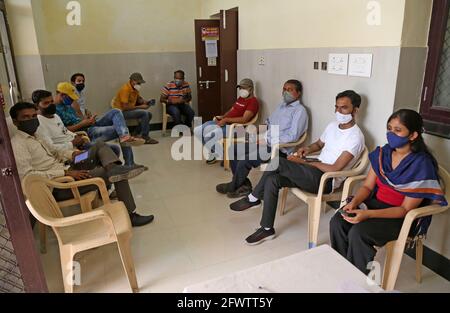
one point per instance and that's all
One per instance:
(210, 33)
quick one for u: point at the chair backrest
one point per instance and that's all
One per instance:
(445, 181)
(253, 120)
(43, 205)
(362, 162)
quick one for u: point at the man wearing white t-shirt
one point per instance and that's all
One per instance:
(341, 145)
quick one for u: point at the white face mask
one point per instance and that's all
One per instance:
(343, 118)
(244, 93)
(137, 87)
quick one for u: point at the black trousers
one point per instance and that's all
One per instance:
(356, 242)
(100, 156)
(288, 174)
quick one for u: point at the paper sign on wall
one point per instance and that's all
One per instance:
(210, 33)
(338, 63)
(211, 49)
(360, 65)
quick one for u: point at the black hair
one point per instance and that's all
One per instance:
(353, 96)
(74, 77)
(15, 109)
(298, 85)
(179, 71)
(38, 95)
(414, 123)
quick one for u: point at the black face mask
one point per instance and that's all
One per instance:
(29, 126)
(50, 110)
(80, 87)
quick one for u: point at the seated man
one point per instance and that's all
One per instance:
(292, 121)
(341, 145)
(33, 157)
(109, 127)
(245, 108)
(177, 95)
(78, 81)
(133, 106)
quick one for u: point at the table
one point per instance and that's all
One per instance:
(321, 269)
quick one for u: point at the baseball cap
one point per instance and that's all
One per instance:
(246, 83)
(67, 89)
(138, 78)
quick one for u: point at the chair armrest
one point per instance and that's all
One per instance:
(65, 179)
(425, 211)
(80, 218)
(348, 185)
(100, 183)
(328, 175)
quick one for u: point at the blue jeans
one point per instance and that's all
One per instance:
(209, 133)
(177, 110)
(111, 126)
(144, 118)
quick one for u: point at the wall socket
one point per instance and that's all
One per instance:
(262, 61)
(316, 65)
(324, 66)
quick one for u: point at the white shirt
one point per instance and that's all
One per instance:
(53, 132)
(337, 141)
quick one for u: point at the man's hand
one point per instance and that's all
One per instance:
(88, 114)
(302, 152)
(296, 159)
(177, 101)
(89, 121)
(78, 141)
(78, 175)
(222, 122)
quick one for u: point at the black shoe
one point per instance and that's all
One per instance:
(139, 220)
(224, 188)
(242, 191)
(243, 204)
(259, 236)
(139, 165)
(150, 141)
(120, 173)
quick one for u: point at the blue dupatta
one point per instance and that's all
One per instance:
(414, 177)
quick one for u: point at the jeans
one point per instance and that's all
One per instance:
(209, 133)
(176, 111)
(144, 118)
(111, 126)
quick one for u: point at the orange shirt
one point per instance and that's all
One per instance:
(127, 94)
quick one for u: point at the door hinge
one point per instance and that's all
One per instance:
(7, 172)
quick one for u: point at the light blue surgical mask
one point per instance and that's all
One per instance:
(288, 97)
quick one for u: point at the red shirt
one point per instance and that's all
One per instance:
(389, 195)
(242, 105)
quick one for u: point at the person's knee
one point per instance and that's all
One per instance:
(357, 233)
(272, 183)
(150, 115)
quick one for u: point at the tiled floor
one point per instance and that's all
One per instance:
(195, 236)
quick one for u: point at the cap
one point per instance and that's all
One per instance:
(138, 78)
(67, 89)
(246, 83)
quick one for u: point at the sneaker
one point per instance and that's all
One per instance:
(211, 160)
(243, 204)
(120, 173)
(259, 236)
(242, 191)
(140, 220)
(139, 165)
(224, 188)
(129, 141)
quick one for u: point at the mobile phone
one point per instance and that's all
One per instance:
(342, 212)
(81, 157)
(309, 159)
(151, 102)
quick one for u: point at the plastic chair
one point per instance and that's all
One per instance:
(107, 224)
(166, 117)
(84, 201)
(315, 201)
(395, 249)
(227, 142)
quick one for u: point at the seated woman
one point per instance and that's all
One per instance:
(245, 108)
(403, 176)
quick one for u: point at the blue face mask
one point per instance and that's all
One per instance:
(67, 100)
(396, 141)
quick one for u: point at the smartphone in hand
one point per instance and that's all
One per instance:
(151, 102)
(344, 213)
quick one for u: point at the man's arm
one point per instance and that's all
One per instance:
(297, 128)
(82, 125)
(247, 117)
(76, 106)
(63, 150)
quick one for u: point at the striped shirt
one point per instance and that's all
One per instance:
(172, 91)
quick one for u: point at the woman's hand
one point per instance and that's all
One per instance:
(361, 216)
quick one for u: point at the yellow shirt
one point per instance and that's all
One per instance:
(126, 98)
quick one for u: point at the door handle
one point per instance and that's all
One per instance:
(206, 82)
